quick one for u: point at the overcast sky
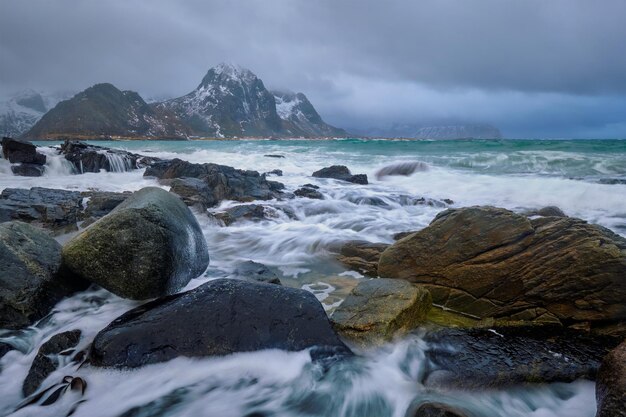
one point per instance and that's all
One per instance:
(533, 68)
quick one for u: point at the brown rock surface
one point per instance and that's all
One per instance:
(611, 384)
(362, 256)
(491, 262)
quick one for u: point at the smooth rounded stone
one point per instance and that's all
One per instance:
(150, 245)
(340, 172)
(220, 317)
(309, 191)
(17, 151)
(548, 211)
(362, 256)
(504, 356)
(256, 272)
(379, 309)
(611, 384)
(28, 170)
(226, 183)
(491, 262)
(194, 192)
(46, 360)
(47, 207)
(30, 284)
(402, 168)
(432, 409)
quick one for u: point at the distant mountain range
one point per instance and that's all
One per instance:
(446, 130)
(229, 102)
(20, 112)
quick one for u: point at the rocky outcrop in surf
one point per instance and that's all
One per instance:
(150, 245)
(25, 154)
(342, 173)
(220, 317)
(491, 262)
(402, 168)
(85, 157)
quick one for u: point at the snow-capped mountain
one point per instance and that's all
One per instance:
(299, 117)
(105, 111)
(20, 112)
(233, 102)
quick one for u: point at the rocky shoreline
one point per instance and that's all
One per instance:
(526, 298)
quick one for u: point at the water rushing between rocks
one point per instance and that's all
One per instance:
(297, 240)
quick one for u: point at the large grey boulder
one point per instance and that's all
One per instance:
(220, 317)
(30, 284)
(150, 245)
(21, 151)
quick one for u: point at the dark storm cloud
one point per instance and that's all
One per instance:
(516, 64)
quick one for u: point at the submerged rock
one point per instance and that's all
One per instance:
(30, 284)
(28, 170)
(491, 262)
(252, 212)
(45, 206)
(17, 151)
(378, 309)
(340, 172)
(362, 256)
(150, 245)
(431, 409)
(309, 191)
(401, 168)
(500, 357)
(611, 384)
(225, 183)
(220, 317)
(256, 272)
(46, 362)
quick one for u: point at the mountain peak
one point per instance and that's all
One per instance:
(227, 72)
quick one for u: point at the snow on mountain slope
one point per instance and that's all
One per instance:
(20, 112)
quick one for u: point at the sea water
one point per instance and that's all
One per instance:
(586, 179)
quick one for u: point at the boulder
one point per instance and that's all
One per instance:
(46, 361)
(309, 191)
(226, 183)
(432, 409)
(491, 262)
(611, 384)
(362, 256)
(17, 151)
(340, 172)
(251, 212)
(28, 170)
(30, 284)
(220, 317)
(91, 158)
(150, 245)
(378, 309)
(255, 272)
(548, 211)
(505, 356)
(45, 206)
(401, 168)
(194, 192)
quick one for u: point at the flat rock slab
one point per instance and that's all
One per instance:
(220, 317)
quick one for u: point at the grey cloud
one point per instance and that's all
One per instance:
(500, 61)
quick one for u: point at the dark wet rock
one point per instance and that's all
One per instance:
(101, 203)
(46, 360)
(45, 206)
(91, 158)
(362, 256)
(28, 170)
(611, 384)
(162, 406)
(548, 211)
(220, 317)
(17, 151)
(309, 191)
(277, 172)
(612, 181)
(4, 349)
(194, 192)
(340, 172)
(401, 168)
(150, 245)
(255, 272)
(30, 284)
(500, 357)
(55, 392)
(378, 309)
(432, 409)
(491, 262)
(408, 200)
(226, 183)
(251, 212)
(274, 156)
